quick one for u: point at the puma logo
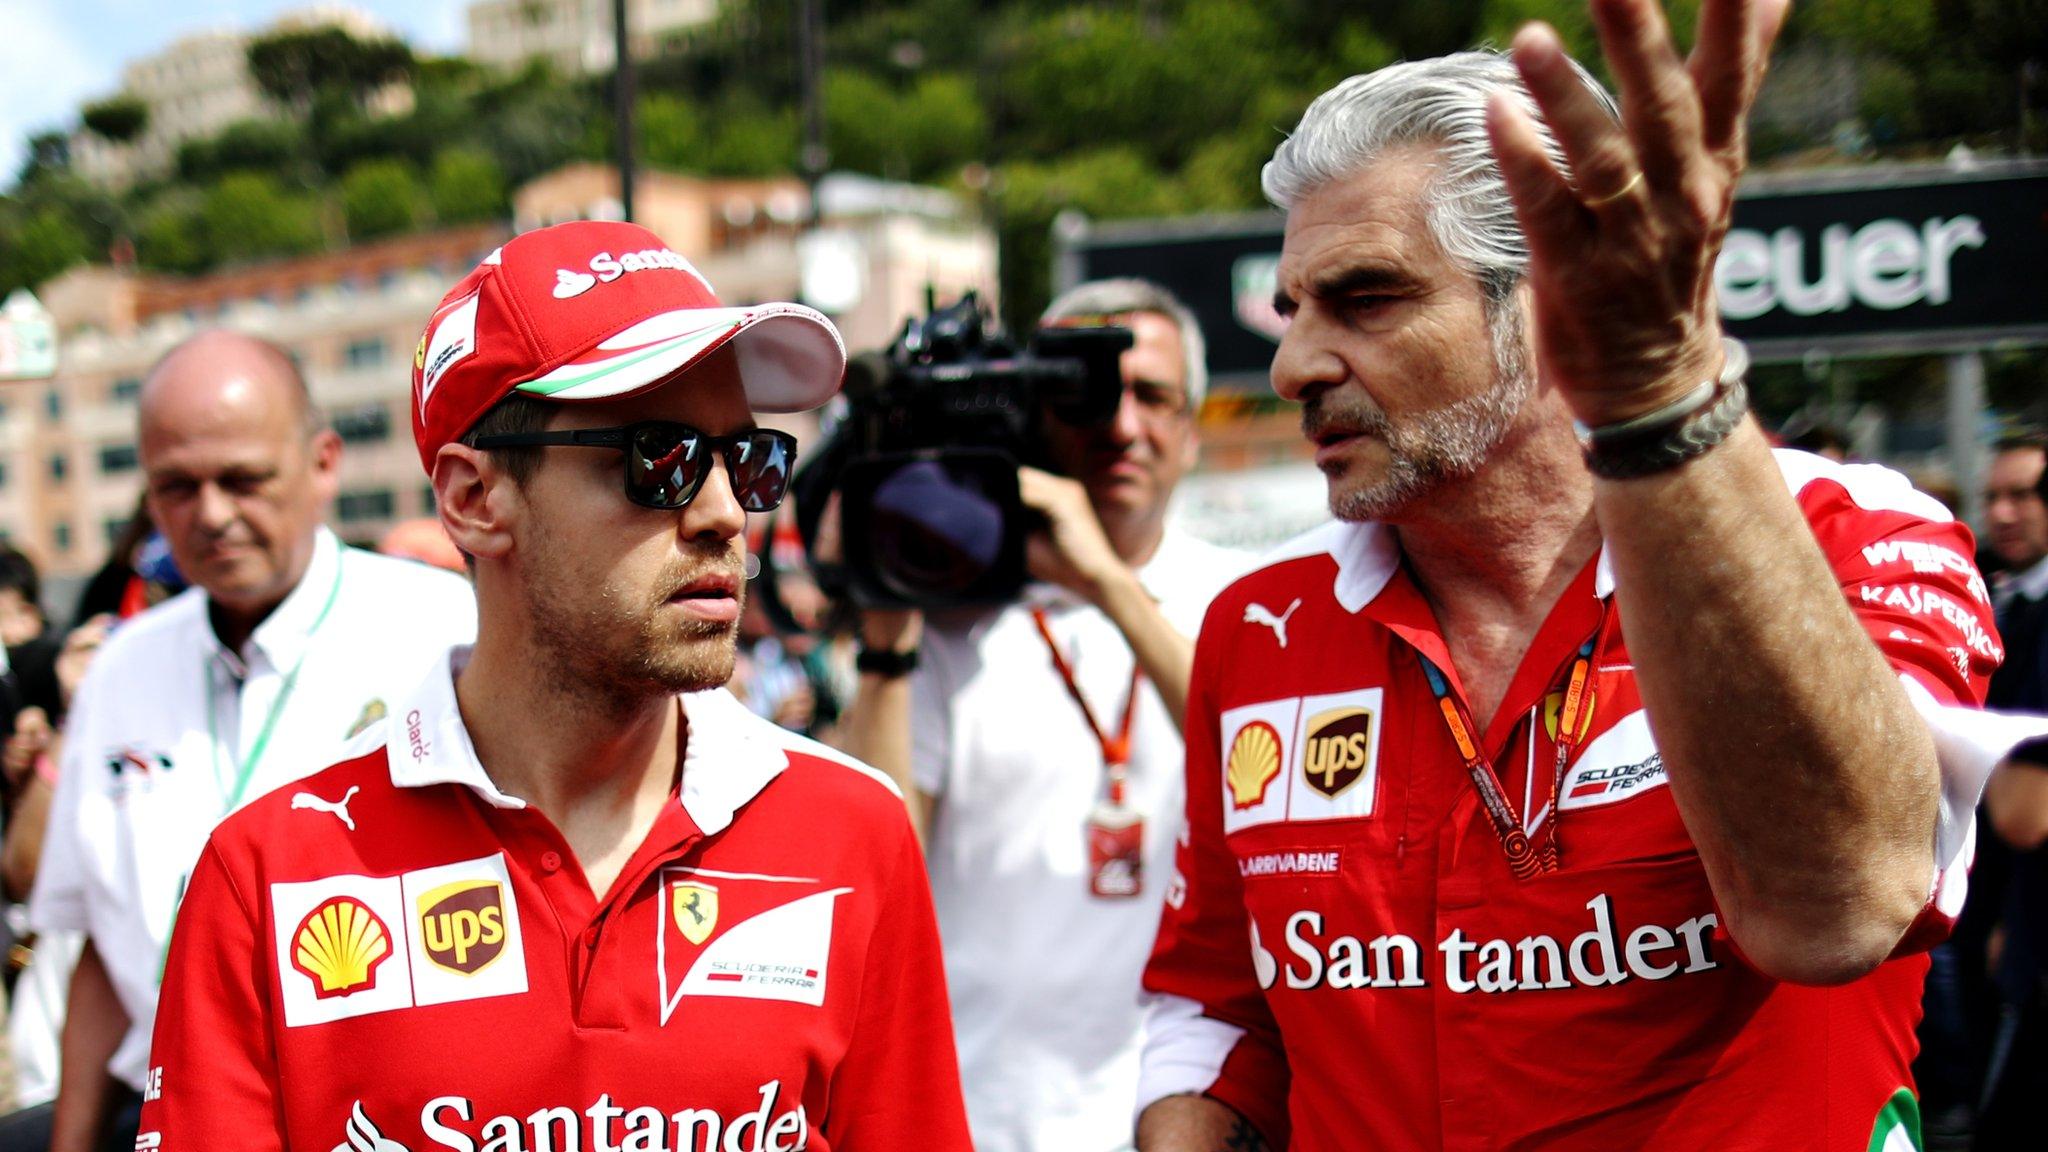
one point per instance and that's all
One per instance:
(1260, 614)
(336, 808)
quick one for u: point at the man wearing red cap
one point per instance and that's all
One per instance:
(573, 894)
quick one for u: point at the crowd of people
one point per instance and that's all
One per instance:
(1599, 777)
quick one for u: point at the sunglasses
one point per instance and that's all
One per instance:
(666, 462)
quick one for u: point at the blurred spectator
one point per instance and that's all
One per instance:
(139, 572)
(2016, 801)
(1816, 436)
(284, 649)
(423, 540)
(1039, 744)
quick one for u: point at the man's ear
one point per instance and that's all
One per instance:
(476, 500)
(325, 450)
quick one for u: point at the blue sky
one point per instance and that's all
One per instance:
(58, 54)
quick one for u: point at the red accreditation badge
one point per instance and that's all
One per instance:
(1116, 851)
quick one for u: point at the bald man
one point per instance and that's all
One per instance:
(285, 647)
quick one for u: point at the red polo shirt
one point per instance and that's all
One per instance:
(394, 955)
(1348, 959)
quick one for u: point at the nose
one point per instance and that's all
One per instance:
(715, 512)
(215, 510)
(1129, 421)
(1306, 364)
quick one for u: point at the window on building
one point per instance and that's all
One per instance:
(118, 458)
(3, 475)
(127, 389)
(112, 527)
(373, 504)
(53, 403)
(61, 535)
(59, 466)
(368, 424)
(428, 505)
(365, 353)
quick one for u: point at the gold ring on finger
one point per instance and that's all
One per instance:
(1618, 193)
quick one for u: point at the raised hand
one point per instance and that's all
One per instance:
(1622, 253)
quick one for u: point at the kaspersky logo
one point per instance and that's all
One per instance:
(1253, 764)
(462, 925)
(339, 946)
(605, 268)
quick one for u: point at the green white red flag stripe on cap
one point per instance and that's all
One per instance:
(625, 369)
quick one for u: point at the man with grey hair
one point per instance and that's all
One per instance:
(1039, 746)
(1612, 773)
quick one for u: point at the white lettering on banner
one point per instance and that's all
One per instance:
(1886, 264)
(1927, 559)
(1291, 864)
(605, 1125)
(1918, 601)
(1599, 956)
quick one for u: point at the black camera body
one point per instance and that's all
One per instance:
(925, 462)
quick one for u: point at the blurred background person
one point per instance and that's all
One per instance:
(286, 647)
(1039, 745)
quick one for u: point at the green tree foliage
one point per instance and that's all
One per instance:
(266, 145)
(382, 197)
(119, 119)
(466, 185)
(249, 215)
(294, 67)
(924, 130)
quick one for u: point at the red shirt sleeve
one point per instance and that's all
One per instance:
(1909, 574)
(899, 1083)
(213, 1072)
(1208, 1027)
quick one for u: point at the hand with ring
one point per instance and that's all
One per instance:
(1622, 250)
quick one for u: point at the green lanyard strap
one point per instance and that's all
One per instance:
(247, 771)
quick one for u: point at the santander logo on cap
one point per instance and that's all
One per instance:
(605, 268)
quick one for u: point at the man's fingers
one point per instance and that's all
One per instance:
(1603, 164)
(1552, 219)
(1727, 64)
(1658, 104)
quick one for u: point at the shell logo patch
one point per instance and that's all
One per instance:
(340, 946)
(1253, 765)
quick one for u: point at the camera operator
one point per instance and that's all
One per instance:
(1039, 745)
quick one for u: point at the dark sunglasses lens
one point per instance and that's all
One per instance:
(760, 466)
(665, 466)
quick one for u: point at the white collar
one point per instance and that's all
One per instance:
(284, 635)
(2031, 581)
(1367, 555)
(730, 756)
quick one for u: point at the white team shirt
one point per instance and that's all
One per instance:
(1044, 975)
(167, 718)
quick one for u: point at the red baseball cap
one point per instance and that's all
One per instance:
(592, 310)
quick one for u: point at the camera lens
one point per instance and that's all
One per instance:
(937, 529)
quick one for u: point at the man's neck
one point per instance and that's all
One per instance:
(1507, 541)
(1136, 539)
(587, 760)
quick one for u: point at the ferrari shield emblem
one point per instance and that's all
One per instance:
(695, 907)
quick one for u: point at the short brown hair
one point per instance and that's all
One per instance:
(515, 415)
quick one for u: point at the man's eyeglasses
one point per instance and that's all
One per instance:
(666, 462)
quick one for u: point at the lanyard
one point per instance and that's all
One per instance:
(1524, 859)
(247, 770)
(1116, 750)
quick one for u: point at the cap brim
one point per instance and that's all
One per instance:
(791, 357)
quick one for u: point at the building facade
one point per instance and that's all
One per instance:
(575, 36)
